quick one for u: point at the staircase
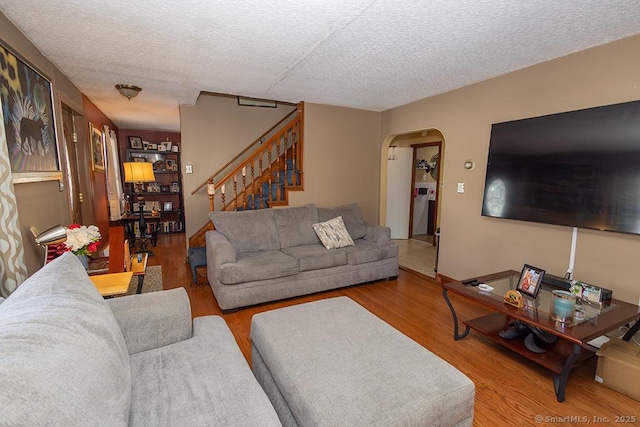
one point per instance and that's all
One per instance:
(258, 177)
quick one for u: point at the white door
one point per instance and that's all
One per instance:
(399, 192)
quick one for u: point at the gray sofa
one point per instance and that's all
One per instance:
(68, 357)
(270, 254)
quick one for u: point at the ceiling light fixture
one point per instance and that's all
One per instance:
(128, 91)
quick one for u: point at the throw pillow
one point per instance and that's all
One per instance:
(333, 234)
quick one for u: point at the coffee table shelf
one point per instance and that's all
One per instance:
(555, 357)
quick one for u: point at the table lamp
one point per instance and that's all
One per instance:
(138, 173)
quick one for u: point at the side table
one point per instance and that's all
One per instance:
(111, 284)
(139, 268)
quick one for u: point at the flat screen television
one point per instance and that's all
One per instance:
(579, 169)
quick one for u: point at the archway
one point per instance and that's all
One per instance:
(403, 183)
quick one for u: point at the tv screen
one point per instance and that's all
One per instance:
(579, 169)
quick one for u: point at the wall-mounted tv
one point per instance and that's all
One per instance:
(579, 169)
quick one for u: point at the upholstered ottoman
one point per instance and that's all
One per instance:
(333, 363)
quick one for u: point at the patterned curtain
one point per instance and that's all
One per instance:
(13, 270)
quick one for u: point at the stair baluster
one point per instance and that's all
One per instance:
(224, 204)
(235, 193)
(244, 188)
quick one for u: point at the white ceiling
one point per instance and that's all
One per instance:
(367, 54)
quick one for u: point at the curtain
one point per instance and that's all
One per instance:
(13, 270)
(112, 169)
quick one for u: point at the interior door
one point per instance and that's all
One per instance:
(399, 192)
(71, 156)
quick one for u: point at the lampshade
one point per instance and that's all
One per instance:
(138, 172)
(128, 91)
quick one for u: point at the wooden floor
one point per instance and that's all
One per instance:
(510, 390)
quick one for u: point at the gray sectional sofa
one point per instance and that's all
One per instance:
(270, 254)
(70, 358)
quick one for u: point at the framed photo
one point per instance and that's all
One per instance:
(138, 188)
(168, 206)
(153, 146)
(175, 187)
(172, 165)
(166, 146)
(153, 187)
(159, 165)
(530, 281)
(29, 122)
(165, 188)
(145, 145)
(97, 149)
(135, 142)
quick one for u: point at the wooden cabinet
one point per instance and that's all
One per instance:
(164, 195)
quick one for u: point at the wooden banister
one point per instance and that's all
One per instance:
(237, 156)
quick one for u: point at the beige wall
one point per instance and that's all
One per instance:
(340, 159)
(41, 204)
(473, 245)
(213, 131)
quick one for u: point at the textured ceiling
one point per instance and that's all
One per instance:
(368, 54)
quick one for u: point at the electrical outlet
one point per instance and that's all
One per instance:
(461, 187)
(188, 168)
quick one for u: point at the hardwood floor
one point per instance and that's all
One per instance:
(510, 390)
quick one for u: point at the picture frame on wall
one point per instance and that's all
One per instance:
(97, 148)
(530, 281)
(29, 122)
(135, 142)
(168, 206)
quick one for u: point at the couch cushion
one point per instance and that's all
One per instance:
(315, 257)
(333, 234)
(248, 230)
(63, 359)
(250, 266)
(351, 216)
(203, 381)
(364, 251)
(295, 226)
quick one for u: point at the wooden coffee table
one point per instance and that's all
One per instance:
(571, 346)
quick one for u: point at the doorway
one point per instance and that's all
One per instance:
(425, 183)
(71, 154)
(416, 241)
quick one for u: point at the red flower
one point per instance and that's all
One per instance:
(72, 226)
(92, 247)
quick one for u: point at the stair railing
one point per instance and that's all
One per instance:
(257, 141)
(262, 180)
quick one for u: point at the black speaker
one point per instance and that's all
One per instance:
(558, 282)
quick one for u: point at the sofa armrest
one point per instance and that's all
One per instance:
(378, 234)
(153, 319)
(219, 249)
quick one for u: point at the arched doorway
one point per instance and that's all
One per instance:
(409, 195)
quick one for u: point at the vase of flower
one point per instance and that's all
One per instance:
(84, 260)
(82, 240)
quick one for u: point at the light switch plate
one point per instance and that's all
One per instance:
(188, 168)
(461, 187)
